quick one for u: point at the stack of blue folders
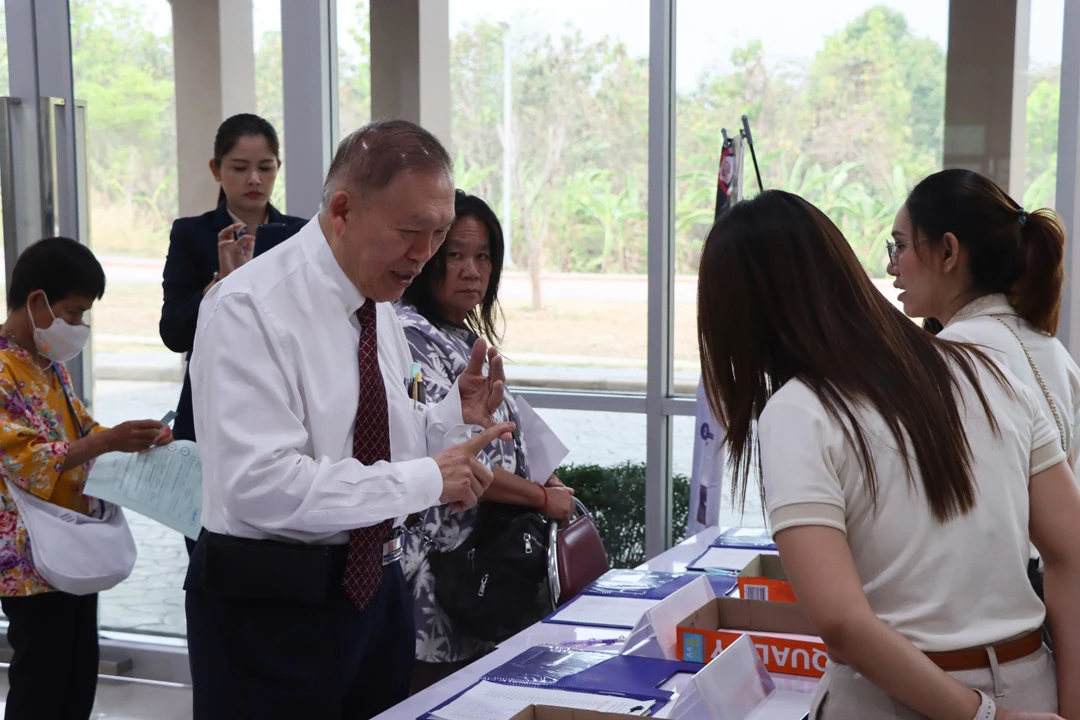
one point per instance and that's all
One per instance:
(640, 584)
(638, 678)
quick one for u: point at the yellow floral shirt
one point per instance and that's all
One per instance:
(36, 427)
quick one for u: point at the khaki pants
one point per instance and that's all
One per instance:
(1026, 684)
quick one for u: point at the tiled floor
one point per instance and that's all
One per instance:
(131, 700)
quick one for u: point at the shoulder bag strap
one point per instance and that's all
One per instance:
(1039, 378)
(71, 405)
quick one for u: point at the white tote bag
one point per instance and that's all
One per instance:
(76, 553)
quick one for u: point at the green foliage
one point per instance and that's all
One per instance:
(616, 498)
(850, 129)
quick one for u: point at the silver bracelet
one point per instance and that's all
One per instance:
(987, 708)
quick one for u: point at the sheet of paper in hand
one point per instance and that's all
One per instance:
(164, 484)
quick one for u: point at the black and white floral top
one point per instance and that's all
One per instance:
(443, 353)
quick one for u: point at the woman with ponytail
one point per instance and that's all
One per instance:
(991, 273)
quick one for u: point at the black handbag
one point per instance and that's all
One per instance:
(495, 584)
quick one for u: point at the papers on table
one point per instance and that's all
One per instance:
(491, 701)
(732, 559)
(164, 484)
(603, 611)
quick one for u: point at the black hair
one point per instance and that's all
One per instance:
(61, 267)
(1010, 250)
(236, 127)
(486, 318)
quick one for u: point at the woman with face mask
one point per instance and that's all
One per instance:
(204, 250)
(967, 255)
(47, 440)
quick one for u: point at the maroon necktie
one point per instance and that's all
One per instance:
(371, 443)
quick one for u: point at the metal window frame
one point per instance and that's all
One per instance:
(310, 114)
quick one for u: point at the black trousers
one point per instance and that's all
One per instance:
(54, 670)
(268, 659)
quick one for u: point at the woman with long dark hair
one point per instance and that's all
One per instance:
(902, 474)
(453, 302)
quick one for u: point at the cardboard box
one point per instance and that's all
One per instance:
(546, 712)
(764, 578)
(780, 631)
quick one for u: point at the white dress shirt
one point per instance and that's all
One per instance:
(275, 382)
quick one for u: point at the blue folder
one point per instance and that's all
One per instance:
(644, 584)
(639, 678)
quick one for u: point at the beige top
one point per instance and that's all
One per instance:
(944, 586)
(976, 324)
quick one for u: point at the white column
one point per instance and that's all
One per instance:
(214, 60)
(986, 89)
(1068, 174)
(410, 63)
(309, 71)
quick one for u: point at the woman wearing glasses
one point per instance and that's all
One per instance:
(967, 255)
(451, 303)
(903, 475)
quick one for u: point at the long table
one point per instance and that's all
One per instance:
(674, 560)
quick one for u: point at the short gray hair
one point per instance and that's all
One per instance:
(369, 158)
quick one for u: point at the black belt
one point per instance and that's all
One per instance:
(273, 570)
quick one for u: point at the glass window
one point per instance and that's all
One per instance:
(123, 68)
(1043, 103)
(683, 436)
(269, 96)
(354, 65)
(846, 109)
(569, 181)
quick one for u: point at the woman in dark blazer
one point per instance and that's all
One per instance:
(205, 249)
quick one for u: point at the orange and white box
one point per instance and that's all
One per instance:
(779, 630)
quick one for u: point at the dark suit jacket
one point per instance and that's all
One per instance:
(189, 267)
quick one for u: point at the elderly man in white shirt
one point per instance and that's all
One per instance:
(314, 449)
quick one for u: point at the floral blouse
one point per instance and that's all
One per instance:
(443, 354)
(36, 427)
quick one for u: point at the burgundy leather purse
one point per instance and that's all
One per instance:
(576, 556)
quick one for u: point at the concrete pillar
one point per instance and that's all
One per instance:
(310, 91)
(214, 60)
(986, 89)
(410, 63)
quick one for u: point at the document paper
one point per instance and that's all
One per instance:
(491, 701)
(164, 484)
(604, 611)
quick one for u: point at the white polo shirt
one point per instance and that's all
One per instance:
(977, 323)
(943, 586)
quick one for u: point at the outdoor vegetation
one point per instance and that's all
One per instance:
(850, 129)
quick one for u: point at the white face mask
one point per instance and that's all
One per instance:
(59, 342)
